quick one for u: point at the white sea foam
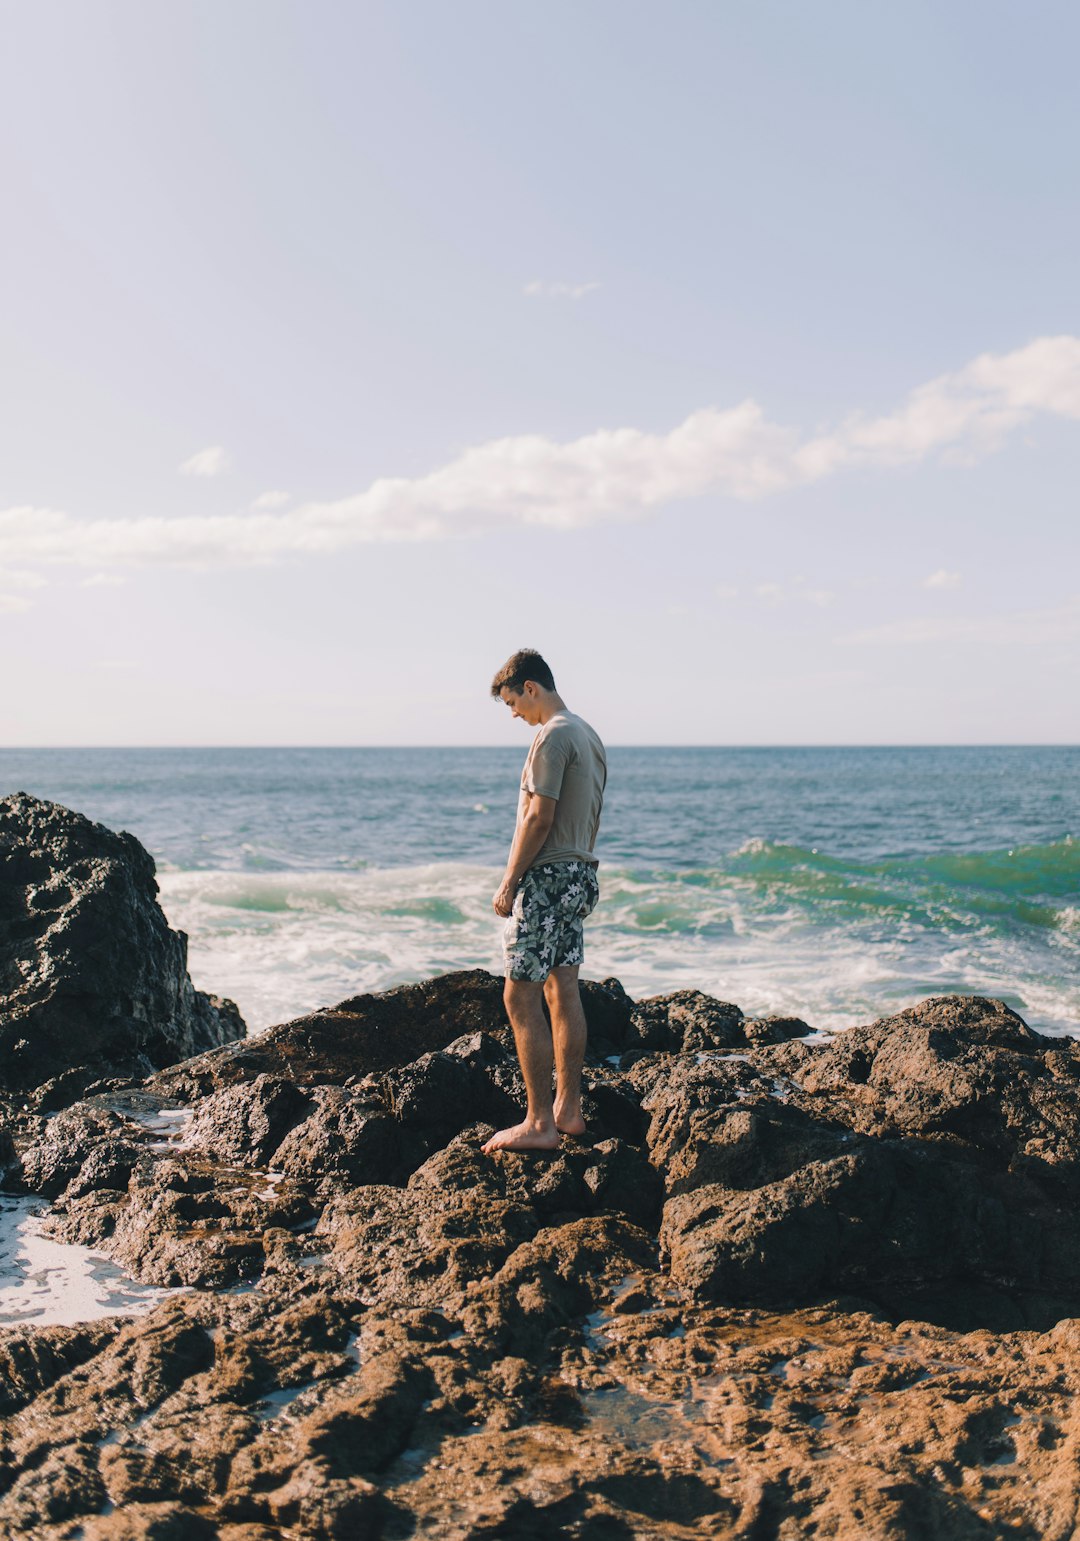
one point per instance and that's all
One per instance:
(54, 1282)
(284, 943)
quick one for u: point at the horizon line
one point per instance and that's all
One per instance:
(822, 744)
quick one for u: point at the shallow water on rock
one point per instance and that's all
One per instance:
(47, 1282)
(170, 1125)
(276, 1404)
(639, 1422)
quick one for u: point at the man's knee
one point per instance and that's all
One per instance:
(521, 996)
(562, 984)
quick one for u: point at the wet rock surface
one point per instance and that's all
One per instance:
(93, 982)
(781, 1288)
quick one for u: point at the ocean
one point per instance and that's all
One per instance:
(836, 885)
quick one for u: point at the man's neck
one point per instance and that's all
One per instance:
(550, 707)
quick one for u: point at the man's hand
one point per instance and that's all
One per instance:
(503, 902)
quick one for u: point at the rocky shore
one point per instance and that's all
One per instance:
(787, 1285)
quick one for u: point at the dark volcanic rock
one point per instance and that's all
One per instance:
(347, 1139)
(677, 1325)
(81, 1150)
(774, 1029)
(928, 1163)
(9, 1160)
(608, 1010)
(684, 1022)
(364, 1034)
(960, 1070)
(245, 1124)
(690, 1022)
(915, 1232)
(385, 1032)
(292, 1413)
(93, 983)
(34, 1358)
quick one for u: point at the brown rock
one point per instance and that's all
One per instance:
(858, 1241)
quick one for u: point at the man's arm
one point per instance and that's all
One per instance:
(528, 839)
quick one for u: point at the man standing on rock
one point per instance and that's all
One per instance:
(548, 889)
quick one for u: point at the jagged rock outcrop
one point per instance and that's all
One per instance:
(93, 982)
(378, 1033)
(779, 1288)
(927, 1163)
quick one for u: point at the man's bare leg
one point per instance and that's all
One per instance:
(568, 1032)
(532, 1037)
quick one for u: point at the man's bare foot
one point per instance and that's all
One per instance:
(524, 1136)
(568, 1120)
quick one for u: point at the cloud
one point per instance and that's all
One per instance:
(769, 591)
(1032, 628)
(528, 480)
(772, 593)
(776, 593)
(942, 580)
(208, 462)
(970, 411)
(102, 580)
(542, 289)
(19, 578)
(271, 500)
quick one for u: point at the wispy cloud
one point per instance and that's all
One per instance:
(1057, 624)
(214, 461)
(102, 580)
(543, 289)
(612, 474)
(942, 580)
(271, 500)
(798, 591)
(20, 578)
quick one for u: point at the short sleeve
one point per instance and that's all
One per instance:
(548, 765)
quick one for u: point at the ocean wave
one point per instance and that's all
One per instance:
(1021, 883)
(776, 929)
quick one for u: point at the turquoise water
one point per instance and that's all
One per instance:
(837, 884)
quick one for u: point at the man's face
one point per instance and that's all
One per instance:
(522, 704)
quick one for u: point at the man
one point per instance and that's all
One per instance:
(548, 889)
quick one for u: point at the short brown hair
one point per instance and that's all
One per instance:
(525, 664)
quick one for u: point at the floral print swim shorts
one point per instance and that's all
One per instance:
(544, 929)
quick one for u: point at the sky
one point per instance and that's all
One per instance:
(729, 354)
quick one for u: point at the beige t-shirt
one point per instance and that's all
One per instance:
(567, 761)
